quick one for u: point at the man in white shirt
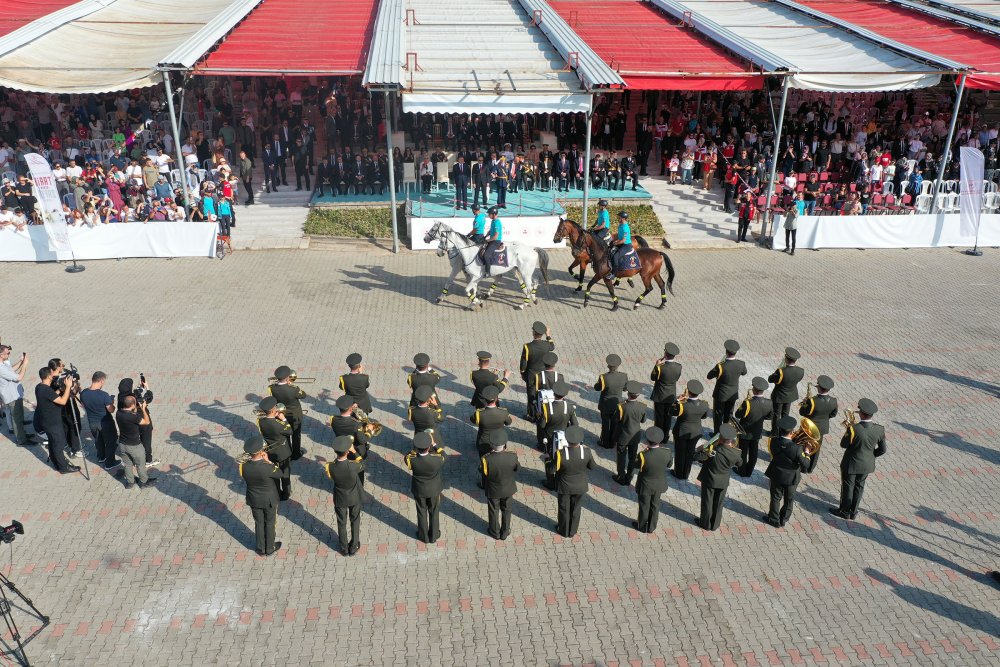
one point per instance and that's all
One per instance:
(73, 171)
(12, 395)
(62, 184)
(162, 161)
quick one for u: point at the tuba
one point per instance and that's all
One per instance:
(807, 436)
(369, 426)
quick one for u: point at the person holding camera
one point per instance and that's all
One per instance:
(100, 407)
(70, 410)
(131, 417)
(142, 394)
(49, 413)
(12, 394)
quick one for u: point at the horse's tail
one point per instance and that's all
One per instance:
(670, 271)
(643, 243)
(543, 263)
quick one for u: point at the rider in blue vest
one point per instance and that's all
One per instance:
(602, 229)
(495, 236)
(478, 234)
(622, 242)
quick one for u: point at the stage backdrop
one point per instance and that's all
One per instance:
(536, 232)
(134, 239)
(887, 231)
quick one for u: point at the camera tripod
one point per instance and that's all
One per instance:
(7, 613)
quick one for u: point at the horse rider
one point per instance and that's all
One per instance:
(602, 228)
(489, 240)
(622, 242)
(478, 233)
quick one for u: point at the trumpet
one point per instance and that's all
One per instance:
(850, 418)
(499, 372)
(685, 395)
(369, 426)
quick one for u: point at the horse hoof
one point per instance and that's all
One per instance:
(630, 283)
(520, 306)
(534, 301)
(614, 307)
(578, 288)
(585, 304)
(635, 306)
(661, 306)
(437, 300)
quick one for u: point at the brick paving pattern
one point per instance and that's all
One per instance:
(166, 575)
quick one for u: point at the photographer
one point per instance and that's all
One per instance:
(131, 417)
(12, 394)
(49, 411)
(70, 411)
(142, 393)
(100, 407)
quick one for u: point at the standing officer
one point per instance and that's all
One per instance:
(687, 428)
(727, 374)
(714, 477)
(262, 478)
(490, 420)
(631, 415)
(423, 376)
(862, 443)
(556, 417)
(277, 434)
(290, 396)
(499, 469)
(652, 480)
(346, 472)
(572, 464)
(355, 384)
(751, 415)
(665, 375)
(788, 461)
(821, 408)
(786, 380)
(426, 463)
(611, 385)
(346, 424)
(460, 174)
(422, 415)
(531, 361)
(544, 382)
(484, 377)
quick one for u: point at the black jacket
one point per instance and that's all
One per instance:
(347, 490)
(499, 473)
(751, 414)
(716, 470)
(689, 415)
(631, 415)
(653, 465)
(489, 420)
(262, 483)
(276, 434)
(288, 395)
(531, 357)
(863, 443)
(788, 462)
(482, 378)
(356, 386)
(428, 474)
(572, 464)
(728, 372)
(786, 384)
(611, 385)
(820, 409)
(342, 425)
(665, 377)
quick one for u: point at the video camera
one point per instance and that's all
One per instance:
(140, 392)
(8, 533)
(69, 371)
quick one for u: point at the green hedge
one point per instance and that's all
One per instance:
(361, 222)
(641, 217)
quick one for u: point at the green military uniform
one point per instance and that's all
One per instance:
(423, 376)
(556, 417)
(423, 417)
(277, 436)
(485, 377)
(426, 464)
(751, 415)
(727, 374)
(631, 415)
(262, 497)
(788, 461)
(786, 387)
(665, 376)
(348, 494)
(611, 385)
(687, 428)
(544, 382)
(531, 362)
(490, 420)
(356, 385)
(714, 478)
(499, 468)
(820, 409)
(290, 396)
(862, 443)
(572, 466)
(651, 481)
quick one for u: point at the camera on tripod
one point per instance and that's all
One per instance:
(141, 392)
(8, 533)
(69, 371)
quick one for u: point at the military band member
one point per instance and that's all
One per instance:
(490, 419)
(714, 477)
(277, 433)
(531, 361)
(484, 377)
(821, 408)
(788, 461)
(346, 424)
(611, 385)
(631, 415)
(355, 384)
(423, 376)
(751, 415)
(346, 472)
(572, 466)
(262, 478)
(651, 483)
(544, 381)
(786, 380)
(727, 374)
(423, 416)
(665, 375)
(687, 428)
(426, 464)
(862, 443)
(289, 395)
(499, 468)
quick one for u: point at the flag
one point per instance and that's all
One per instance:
(970, 203)
(50, 205)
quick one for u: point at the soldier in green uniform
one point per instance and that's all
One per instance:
(631, 415)
(786, 380)
(346, 472)
(821, 408)
(714, 477)
(484, 377)
(611, 385)
(727, 374)
(556, 417)
(290, 395)
(346, 424)
(687, 429)
(499, 468)
(751, 415)
(426, 463)
(531, 361)
(262, 478)
(544, 381)
(355, 384)
(423, 376)
(862, 443)
(277, 434)
(424, 417)
(572, 466)
(489, 419)
(788, 461)
(665, 376)
(651, 482)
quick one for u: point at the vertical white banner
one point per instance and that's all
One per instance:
(50, 205)
(970, 198)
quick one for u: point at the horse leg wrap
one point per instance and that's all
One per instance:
(493, 287)
(615, 299)
(641, 297)
(445, 291)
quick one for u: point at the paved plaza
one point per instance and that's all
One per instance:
(167, 575)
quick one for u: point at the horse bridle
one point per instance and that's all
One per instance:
(453, 250)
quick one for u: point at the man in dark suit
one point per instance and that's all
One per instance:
(665, 375)
(651, 483)
(821, 408)
(261, 477)
(345, 472)
(270, 160)
(281, 155)
(532, 355)
(341, 175)
(481, 180)
(786, 380)
(460, 176)
(611, 385)
(788, 461)
(499, 468)
(571, 466)
(644, 142)
(426, 462)
(687, 428)
(355, 384)
(862, 443)
(727, 374)
(491, 420)
(714, 477)
(631, 415)
(628, 172)
(324, 178)
(751, 415)
(484, 377)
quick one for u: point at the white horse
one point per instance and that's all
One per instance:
(463, 254)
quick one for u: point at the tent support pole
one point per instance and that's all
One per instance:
(392, 169)
(768, 225)
(181, 167)
(946, 152)
(586, 162)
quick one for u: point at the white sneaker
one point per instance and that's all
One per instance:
(154, 462)
(76, 455)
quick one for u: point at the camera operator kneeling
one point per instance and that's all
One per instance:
(49, 411)
(131, 418)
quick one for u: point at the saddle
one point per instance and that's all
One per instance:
(625, 260)
(493, 254)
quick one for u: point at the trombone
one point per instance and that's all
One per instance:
(293, 379)
(257, 412)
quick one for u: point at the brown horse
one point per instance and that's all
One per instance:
(651, 263)
(568, 229)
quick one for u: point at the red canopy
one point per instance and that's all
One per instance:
(19, 13)
(297, 37)
(651, 52)
(921, 31)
